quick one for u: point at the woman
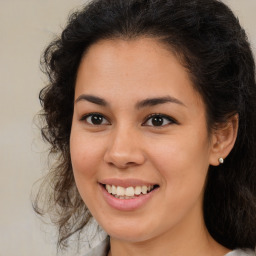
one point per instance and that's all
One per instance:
(151, 109)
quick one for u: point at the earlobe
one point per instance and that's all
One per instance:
(223, 140)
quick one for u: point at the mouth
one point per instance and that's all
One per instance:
(128, 192)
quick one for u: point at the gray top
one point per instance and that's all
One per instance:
(103, 247)
(240, 253)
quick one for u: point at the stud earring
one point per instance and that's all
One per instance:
(221, 160)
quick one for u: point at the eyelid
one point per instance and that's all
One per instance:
(169, 118)
(84, 117)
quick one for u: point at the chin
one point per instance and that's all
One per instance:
(131, 237)
(129, 233)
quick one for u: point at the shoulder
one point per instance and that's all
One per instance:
(240, 252)
(103, 247)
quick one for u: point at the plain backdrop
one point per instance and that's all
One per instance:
(26, 26)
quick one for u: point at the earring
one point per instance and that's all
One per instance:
(221, 160)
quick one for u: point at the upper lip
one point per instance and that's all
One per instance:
(126, 182)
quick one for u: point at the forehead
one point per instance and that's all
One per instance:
(129, 54)
(136, 68)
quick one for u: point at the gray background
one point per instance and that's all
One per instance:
(26, 26)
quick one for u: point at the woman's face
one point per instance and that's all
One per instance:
(139, 130)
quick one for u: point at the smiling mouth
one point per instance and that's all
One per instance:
(129, 192)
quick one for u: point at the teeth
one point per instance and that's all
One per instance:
(113, 190)
(120, 191)
(150, 188)
(144, 190)
(127, 193)
(137, 190)
(109, 188)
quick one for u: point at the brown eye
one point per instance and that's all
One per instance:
(96, 119)
(158, 120)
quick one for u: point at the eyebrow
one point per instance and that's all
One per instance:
(92, 99)
(157, 101)
(141, 104)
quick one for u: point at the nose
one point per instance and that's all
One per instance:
(125, 149)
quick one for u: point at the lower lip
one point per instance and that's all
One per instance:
(127, 204)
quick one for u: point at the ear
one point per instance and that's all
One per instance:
(223, 139)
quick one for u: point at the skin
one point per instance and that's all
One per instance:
(175, 155)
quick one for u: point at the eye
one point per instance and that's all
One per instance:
(95, 119)
(158, 120)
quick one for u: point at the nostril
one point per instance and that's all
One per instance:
(121, 165)
(130, 163)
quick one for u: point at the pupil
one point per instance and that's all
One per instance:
(157, 121)
(97, 119)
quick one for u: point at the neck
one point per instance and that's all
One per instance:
(180, 242)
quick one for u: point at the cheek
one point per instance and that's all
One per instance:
(182, 161)
(85, 160)
(183, 166)
(85, 153)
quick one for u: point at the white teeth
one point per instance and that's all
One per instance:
(109, 188)
(120, 191)
(144, 190)
(137, 190)
(128, 193)
(150, 188)
(113, 190)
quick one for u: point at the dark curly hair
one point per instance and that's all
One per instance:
(214, 49)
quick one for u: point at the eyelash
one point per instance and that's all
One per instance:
(169, 119)
(94, 114)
